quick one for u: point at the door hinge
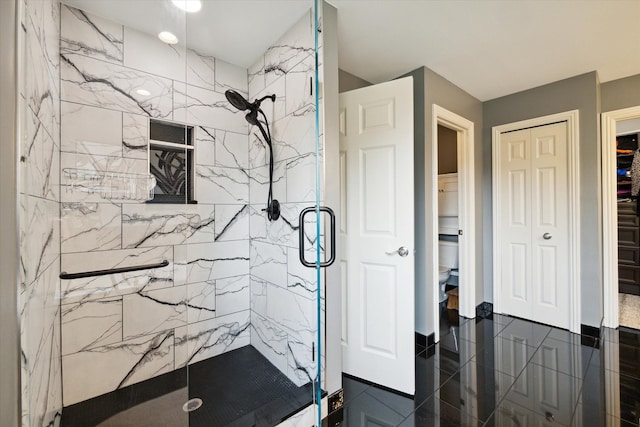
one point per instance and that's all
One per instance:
(459, 232)
(310, 86)
(313, 351)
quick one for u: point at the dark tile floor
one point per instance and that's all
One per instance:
(503, 371)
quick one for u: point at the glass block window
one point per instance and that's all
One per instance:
(171, 162)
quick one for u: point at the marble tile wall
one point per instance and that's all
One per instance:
(124, 328)
(283, 292)
(39, 213)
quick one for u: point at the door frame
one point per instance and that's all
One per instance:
(466, 204)
(573, 165)
(610, 212)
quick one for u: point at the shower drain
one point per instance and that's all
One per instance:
(192, 405)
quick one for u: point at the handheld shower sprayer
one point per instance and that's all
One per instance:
(239, 102)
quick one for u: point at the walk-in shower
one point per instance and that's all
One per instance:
(157, 286)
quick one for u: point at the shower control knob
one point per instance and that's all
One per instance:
(546, 236)
(402, 251)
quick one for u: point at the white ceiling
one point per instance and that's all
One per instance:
(489, 48)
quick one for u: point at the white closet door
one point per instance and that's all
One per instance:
(515, 181)
(549, 225)
(535, 232)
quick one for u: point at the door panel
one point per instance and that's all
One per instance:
(535, 274)
(376, 145)
(550, 235)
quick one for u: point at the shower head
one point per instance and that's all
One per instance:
(238, 100)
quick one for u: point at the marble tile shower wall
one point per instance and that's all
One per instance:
(283, 292)
(121, 329)
(39, 213)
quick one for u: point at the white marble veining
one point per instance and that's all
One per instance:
(201, 70)
(222, 185)
(90, 227)
(229, 76)
(40, 161)
(205, 147)
(232, 150)
(149, 225)
(91, 324)
(113, 285)
(295, 314)
(300, 86)
(232, 222)
(294, 46)
(301, 366)
(202, 340)
(270, 341)
(204, 107)
(275, 110)
(39, 237)
(90, 35)
(301, 179)
(92, 82)
(300, 279)
(269, 262)
(90, 130)
(201, 301)
(294, 135)
(40, 348)
(256, 78)
(204, 261)
(232, 295)
(259, 183)
(99, 370)
(145, 52)
(135, 136)
(149, 312)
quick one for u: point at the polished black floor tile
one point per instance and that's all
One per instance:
(549, 393)
(366, 410)
(565, 357)
(503, 371)
(352, 388)
(511, 414)
(530, 333)
(435, 412)
(476, 390)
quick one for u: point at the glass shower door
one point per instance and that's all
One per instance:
(162, 282)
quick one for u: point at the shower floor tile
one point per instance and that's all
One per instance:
(238, 388)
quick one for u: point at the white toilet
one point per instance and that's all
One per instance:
(448, 260)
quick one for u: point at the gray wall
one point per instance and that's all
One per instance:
(9, 353)
(621, 93)
(347, 81)
(431, 88)
(581, 93)
(445, 94)
(420, 313)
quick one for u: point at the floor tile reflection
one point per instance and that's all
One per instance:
(502, 371)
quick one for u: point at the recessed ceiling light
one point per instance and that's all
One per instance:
(168, 37)
(188, 5)
(143, 92)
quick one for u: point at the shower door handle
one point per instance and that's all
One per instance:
(301, 237)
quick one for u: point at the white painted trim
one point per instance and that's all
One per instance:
(610, 212)
(466, 209)
(573, 166)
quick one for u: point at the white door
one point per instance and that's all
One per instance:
(377, 234)
(534, 224)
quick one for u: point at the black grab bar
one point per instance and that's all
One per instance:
(65, 275)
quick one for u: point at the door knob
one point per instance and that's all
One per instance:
(546, 236)
(402, 251)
